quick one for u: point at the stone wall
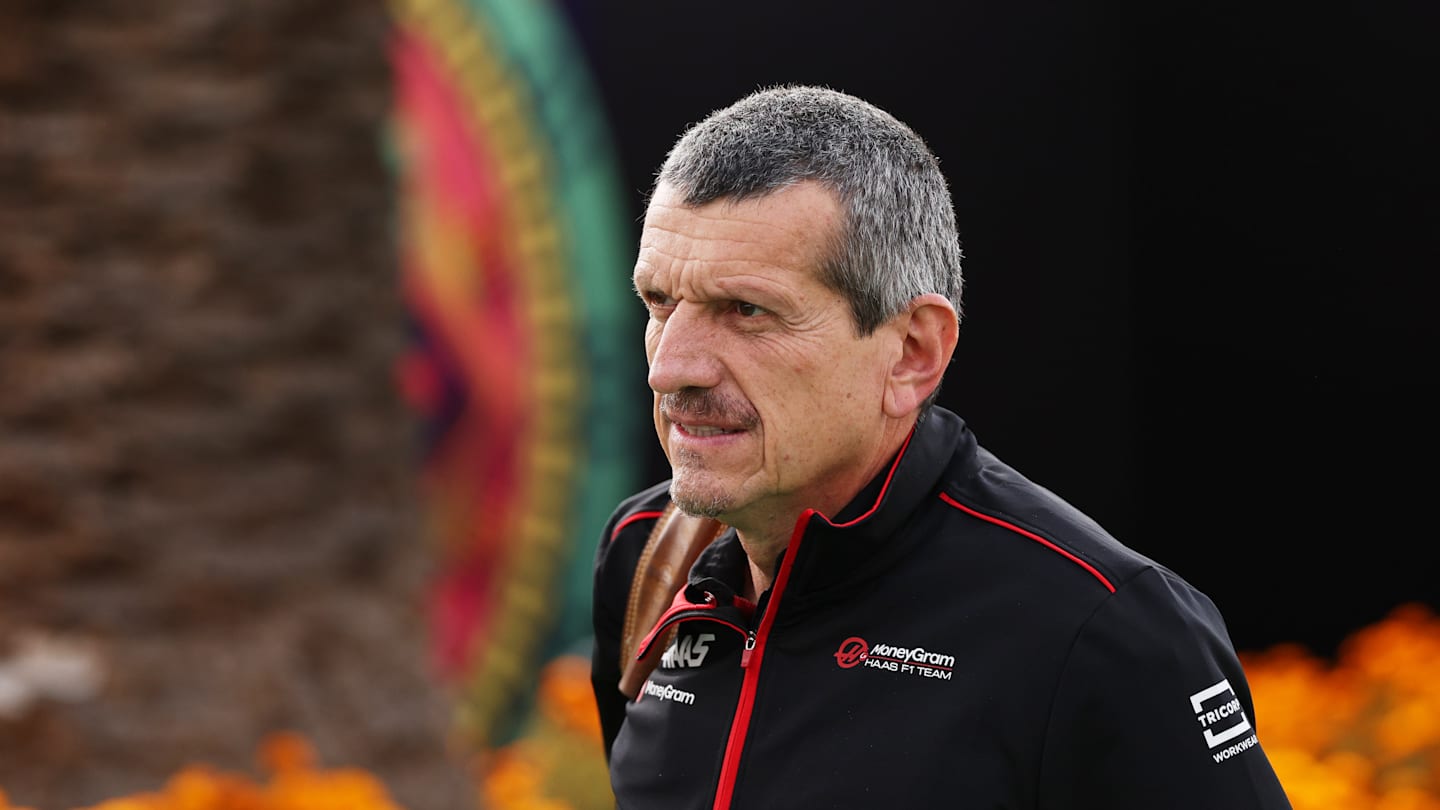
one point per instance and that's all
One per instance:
(207, 524)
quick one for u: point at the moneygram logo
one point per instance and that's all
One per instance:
(855, 651)
(668, 692)
(852, 651)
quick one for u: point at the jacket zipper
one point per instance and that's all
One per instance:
(751, 660)
(749, 649)
(754, 652)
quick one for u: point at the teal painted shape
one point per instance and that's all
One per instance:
(535, 44)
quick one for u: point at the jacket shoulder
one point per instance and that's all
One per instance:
(636, 514)
(1033, 517)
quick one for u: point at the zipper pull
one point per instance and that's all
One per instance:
(749, 648)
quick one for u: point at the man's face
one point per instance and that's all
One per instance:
(766, 401)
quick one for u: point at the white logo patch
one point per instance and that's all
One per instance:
(1222, 719)
(856, 651)
(687, 651)
(667, 692)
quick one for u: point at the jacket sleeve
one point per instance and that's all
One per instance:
(1153, 710)
(616, 556)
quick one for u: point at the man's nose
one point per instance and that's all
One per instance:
(685, 353)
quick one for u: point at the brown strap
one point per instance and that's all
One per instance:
(674, 543)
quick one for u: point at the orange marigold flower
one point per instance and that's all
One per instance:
(1408, 798)
(286, 752)
(295, 784)
(566, 697)
(1376, 746)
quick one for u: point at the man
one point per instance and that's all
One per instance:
(892, 617)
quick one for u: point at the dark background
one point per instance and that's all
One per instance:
(1197, 241)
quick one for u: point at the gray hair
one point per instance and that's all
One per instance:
(897, 239)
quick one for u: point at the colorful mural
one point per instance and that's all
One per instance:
(513, 272)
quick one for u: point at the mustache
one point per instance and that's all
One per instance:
(703, 403)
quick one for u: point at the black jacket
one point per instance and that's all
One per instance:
(956, 637)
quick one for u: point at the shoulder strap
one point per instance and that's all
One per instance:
(674, 543)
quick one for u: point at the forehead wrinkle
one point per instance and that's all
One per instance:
(680, 253)
(694, 284)
(692, 251)
(702, 277)
(738, 212)
(671, 234)
(787, 222)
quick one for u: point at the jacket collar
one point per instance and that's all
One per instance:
(866, 533)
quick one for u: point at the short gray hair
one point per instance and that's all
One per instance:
(897, 239)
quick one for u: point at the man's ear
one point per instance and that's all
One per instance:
(929, 330)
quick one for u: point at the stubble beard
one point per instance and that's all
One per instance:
(697, 498)
(694, 489)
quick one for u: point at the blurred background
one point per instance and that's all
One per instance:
(319, 370)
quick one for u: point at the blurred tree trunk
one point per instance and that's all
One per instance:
(207, 525)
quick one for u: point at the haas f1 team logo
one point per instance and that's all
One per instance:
(855, 651)
(852, 651)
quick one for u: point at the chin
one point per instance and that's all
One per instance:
(700, 501)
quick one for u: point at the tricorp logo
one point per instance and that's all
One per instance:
(852, 651)
(1220, 715)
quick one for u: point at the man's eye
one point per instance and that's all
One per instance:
(655, 298)
(747, 309)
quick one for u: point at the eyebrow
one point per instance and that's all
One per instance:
(743, 287)
(751, 288)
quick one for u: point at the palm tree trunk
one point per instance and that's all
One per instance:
(207, 524)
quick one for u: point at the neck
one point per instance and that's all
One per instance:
(763, 553)
(766, 535)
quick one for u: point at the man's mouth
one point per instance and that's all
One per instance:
(703, 414)
(706, 431)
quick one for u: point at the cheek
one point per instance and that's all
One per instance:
(800, 363)
(809, 397)
(851, 386)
